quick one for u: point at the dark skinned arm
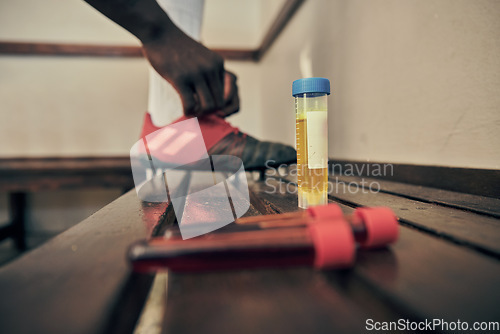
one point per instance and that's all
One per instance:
(194, 71)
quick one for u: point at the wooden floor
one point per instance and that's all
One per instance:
(445, 266)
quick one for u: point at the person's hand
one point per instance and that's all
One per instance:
(193, 70)
(231, 97)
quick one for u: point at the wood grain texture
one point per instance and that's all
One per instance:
(474, 203)
(74, 50)
(238, 54)
(297, 300)
(61, 164)
(467, 228)
(422, 276)
(96, 50)
(481, 182)
(50, 173)
(476, 231)
(258, 301)
(79, 280)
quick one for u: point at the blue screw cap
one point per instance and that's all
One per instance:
(311, 85)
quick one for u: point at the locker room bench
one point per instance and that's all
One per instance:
(445, 266)
(21, 176)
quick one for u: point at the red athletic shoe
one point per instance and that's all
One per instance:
(221, 138)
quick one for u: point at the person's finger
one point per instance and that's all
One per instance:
(207, 102)
(230, 87)
(189, 102)
(232, 106)
(216, 85)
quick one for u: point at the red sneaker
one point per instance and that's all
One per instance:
(221, 138)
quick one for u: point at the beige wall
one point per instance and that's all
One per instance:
(70, 106)
(231, 24)
(413, 81)
(67, 105)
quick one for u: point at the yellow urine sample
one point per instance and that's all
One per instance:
(312, 171)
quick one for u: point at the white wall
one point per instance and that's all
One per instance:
(413, 81)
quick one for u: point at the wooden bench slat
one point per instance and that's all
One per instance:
(478, 204)
(73, 282)
(477, 181)
(476, 231)
(258, 301)
(272, 199)
(282, 301)
(434, 278)
(60, 164)
(80, 281)
(58, 182)
(37, 174)
(424, 276)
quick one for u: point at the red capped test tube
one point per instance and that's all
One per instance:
(325, 241)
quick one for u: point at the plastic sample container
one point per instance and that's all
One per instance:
(311, 138)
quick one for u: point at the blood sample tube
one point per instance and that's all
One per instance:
(326, 242)
(322, 245)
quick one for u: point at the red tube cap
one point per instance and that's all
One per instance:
(333, 244)
(330, 211)
(381, 226)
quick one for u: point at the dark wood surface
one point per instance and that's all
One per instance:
(468, 220)
(424, 276)
(415, 272)
(466, 228)
(444, 266)
(50, 173)
(21, 176)
(15, 228)
(96, 50)
(75, 50)
(478, 204)
(76, 282)
(475, 181)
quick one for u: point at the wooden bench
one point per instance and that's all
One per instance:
(445, 266)
(20, 176)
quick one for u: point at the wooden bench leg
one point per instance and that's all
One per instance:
(5, 232)
(262, 175)
(17, 205)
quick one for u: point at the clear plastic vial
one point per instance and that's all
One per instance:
(311, 139)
